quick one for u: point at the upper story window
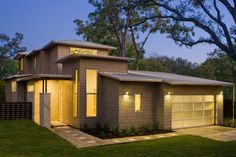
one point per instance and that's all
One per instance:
(13, 86)
(21, 64)
(35, 62)
(83, 51)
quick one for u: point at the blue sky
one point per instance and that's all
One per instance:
(43, 20)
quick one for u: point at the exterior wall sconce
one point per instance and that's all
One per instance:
(221, 93)
(126, 95)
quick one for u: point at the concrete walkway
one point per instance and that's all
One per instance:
(82, 140)
(219, 133)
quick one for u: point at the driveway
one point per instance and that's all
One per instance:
(219, 133)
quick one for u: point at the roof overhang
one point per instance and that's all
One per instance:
(78, 56)
(17, 76)
(45, 76)
(20, 54)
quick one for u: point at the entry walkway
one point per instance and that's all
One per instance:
(81, 139)
(219, 133)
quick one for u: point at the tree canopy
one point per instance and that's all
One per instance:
(191, 22)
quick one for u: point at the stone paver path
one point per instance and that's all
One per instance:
(219, 133)
(81, 139)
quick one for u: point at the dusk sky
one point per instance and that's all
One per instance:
(44, 20)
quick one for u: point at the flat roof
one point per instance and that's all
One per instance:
(17, 76)
(76, 43)
(173, 79)
(76, 56)
(37, 76)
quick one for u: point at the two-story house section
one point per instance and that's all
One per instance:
(79, 83)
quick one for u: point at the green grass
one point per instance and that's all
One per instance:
(26, 139)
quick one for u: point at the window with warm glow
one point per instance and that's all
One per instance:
(91, 93)
(30, 87)
(13, 86)
(75, 94)
(21, 64)
(82, 51)
(138, 102)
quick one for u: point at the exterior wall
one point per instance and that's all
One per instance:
(21, 91)
(108, 108)
(100, 66)
(8, 91)
(67, 101)
(26, 69)
(44, 62)
(127, 115)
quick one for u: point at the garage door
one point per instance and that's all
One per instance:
(192, 110)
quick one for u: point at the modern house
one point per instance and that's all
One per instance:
(78, 83)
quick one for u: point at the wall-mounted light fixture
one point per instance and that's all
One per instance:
(126, 95)
(221, 92)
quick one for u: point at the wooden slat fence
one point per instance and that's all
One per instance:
(15, 110)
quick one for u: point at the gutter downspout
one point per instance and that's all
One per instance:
(233, 102)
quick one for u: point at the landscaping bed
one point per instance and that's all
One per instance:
(106, 132)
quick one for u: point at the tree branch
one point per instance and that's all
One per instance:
(230, 8)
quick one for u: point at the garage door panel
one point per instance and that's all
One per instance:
(192, 110)
(187, 106)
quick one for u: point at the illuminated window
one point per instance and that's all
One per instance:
(21, 64)
(35, 62)
(30, 87)
(82, 51)
(91, 93)
(75, 94)
(138, 102)
(13, 86)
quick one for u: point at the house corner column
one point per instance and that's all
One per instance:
(219, 109)
(45, 114)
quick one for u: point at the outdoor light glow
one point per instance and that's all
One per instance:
(221, 93)
(126, 95)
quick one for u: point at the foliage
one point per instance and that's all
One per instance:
(228, 122)
(8, 49)
(2, 91)
(85, 127)
(186, 17)
(115, 23)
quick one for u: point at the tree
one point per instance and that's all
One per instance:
(8, 49)
(113, 21)
(188, 17)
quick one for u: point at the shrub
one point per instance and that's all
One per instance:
(132, 131)
(155, 126)
(228, 122)
(106, 128)
(146, 128)
(124, 132)
(98, 126)
(85, 127)
(115, 130)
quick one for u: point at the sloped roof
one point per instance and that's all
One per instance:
(38, 76)
(174, 79)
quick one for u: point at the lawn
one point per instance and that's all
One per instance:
(26, 139)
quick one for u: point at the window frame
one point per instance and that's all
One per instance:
(141, 102)
(15, 88)
(75, 93)
(94, 93)
(21, 64)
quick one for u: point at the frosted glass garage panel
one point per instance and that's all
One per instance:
(208, 98)
(187, 123)
(198, 98)
(177, 99)
(198, 106)
(208, 113)
(188, 98)
(176, 107)
(187, 115)
(198, 122)
(198, 114)
(177, 116)
(209, 106)
(187, 107)
(208, 121)
(177, 124)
